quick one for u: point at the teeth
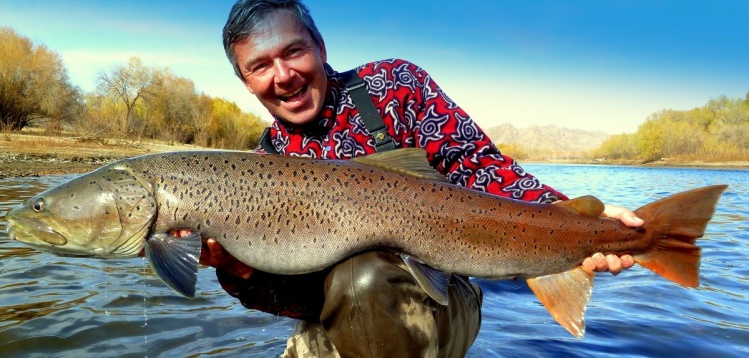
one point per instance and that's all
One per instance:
(294, 93)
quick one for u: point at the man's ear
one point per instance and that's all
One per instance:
(323, 52)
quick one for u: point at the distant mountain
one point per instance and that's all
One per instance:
(547, 138)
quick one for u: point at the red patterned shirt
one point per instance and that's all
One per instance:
(417, 114)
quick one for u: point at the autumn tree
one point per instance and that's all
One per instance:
(175, 109)
(34, 84)
(717, 131)
(230, 127)
(129, 84)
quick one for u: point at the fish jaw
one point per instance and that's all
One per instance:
(32, 232)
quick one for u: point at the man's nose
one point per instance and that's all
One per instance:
(283, 72)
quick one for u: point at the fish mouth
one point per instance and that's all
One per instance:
(44, 240)
(31, 232)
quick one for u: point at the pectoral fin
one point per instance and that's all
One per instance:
(565, 295)
(434, 282)
(175, 260)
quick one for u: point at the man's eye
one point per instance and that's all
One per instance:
(257, 67)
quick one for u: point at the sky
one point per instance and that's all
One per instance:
(593, 65)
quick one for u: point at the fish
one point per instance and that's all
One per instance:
(293, 215)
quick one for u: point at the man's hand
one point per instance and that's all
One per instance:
(613, 263)
(213, 254)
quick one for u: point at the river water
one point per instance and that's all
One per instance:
(77, 307)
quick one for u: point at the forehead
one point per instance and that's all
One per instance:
(278, 28)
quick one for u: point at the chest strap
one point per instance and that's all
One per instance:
(265, 142)
(357, 88)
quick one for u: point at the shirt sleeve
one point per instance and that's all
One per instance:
(460, 150)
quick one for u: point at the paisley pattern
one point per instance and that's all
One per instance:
(418, 114)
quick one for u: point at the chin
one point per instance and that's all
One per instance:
(301, 118)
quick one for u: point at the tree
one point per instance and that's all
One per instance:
(34, 84)
(129, 84)
(229, 127)
(174, 109)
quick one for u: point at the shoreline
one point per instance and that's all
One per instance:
(665, 163)
(31, 155)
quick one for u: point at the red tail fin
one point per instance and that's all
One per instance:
(677, 222)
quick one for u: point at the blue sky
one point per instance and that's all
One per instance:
(595, 65)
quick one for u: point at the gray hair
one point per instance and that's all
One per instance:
(247, 15)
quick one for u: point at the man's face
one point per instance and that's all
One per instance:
(283, 67)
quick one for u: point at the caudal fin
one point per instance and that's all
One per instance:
(677, 222)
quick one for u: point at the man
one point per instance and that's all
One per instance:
(368, 305)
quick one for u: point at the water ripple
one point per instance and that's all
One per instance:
(85, 307)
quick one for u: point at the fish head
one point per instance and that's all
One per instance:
(106, 214)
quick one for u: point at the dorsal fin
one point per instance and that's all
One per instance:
(587, 205)
(409, 161)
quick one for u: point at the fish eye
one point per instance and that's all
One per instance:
(38, 205)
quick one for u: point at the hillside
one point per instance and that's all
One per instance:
(550, 138)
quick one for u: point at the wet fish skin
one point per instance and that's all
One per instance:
(289, 215)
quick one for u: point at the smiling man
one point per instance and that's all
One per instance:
(369, 305)
(283, 66)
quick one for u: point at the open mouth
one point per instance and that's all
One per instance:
(296, 95)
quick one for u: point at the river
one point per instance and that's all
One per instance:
(77, 307)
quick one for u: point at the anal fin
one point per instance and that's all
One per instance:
(434, 282)
(175, 260)
(565, 295)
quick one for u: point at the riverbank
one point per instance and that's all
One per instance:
(662, 163)
(23, 155)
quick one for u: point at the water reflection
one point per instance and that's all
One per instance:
(63, 306)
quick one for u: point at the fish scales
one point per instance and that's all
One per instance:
(312, 214)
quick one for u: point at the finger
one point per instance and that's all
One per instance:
(216, 252)
(205, 255)
(589, 265)
(241, 270)
(219, 258)
(597, 262)
(614, 264)
(630, 219)
(627, 261)
(625, 215)
(600, 261)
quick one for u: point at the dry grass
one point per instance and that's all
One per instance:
(30, 153)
